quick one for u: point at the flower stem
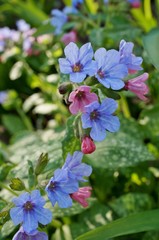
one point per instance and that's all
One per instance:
(125, 107)
(147, 9)
(2, 185)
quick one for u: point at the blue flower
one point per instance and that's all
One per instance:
(22, 25)
(60, 187)
(128, 58)
(29, 211)
(99, 118)
(78, 62)
(110, 72)
(76, 169)
(76, 2)
(35, 235)
(60, 18)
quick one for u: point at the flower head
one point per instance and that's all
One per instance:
(128, 58)
(35, 235)
(78, 62)
(88, 146)
(60, 187)
(29, 211)
(137, 86)
(110, 72)
(99, 118)
(81, 195)
(80, 98)
(75, 168)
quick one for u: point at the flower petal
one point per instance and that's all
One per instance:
(108, 106)
(77, 77)
(16, 215)
(30, 222)
(43, 215)
(97, 133)
(85, 53)
(72, 53)
(86, 122)
(65, 66)
(99, 56)
(110, 123)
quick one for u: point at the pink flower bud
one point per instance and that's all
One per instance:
(88, 146)
(81, 195)
(137, 86)
(69, 37)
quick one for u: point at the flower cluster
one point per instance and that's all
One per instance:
(109, 69)
(65, 181)
(22, 37)
(29, 208)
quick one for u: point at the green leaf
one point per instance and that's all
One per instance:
(144, 221)
(13, 123)
(70, 142)
(31, 175)
(42, 163)
(131, 203)
(17, 184)
(28, 146)
(151, 44)
(4, 214)
(149, 120)
(4, 170)
(67, 212)
(27, 10)
(44, 29)
(7, 228)
(119, 150)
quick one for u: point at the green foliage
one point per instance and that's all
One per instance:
(151, 44)
(134, 223)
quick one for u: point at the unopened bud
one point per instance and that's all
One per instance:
(65, 87)
(88, 146)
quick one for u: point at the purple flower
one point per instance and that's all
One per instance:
(35, 235)
(3, 96)
(99, 118)
(137, 86)
(81, 195)
(60, 187)
(22, 25)
(110, 71)
(81, 97)
(75, 168)
(29, 211)
(78, 62)
(60, 18)
(128, 58)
